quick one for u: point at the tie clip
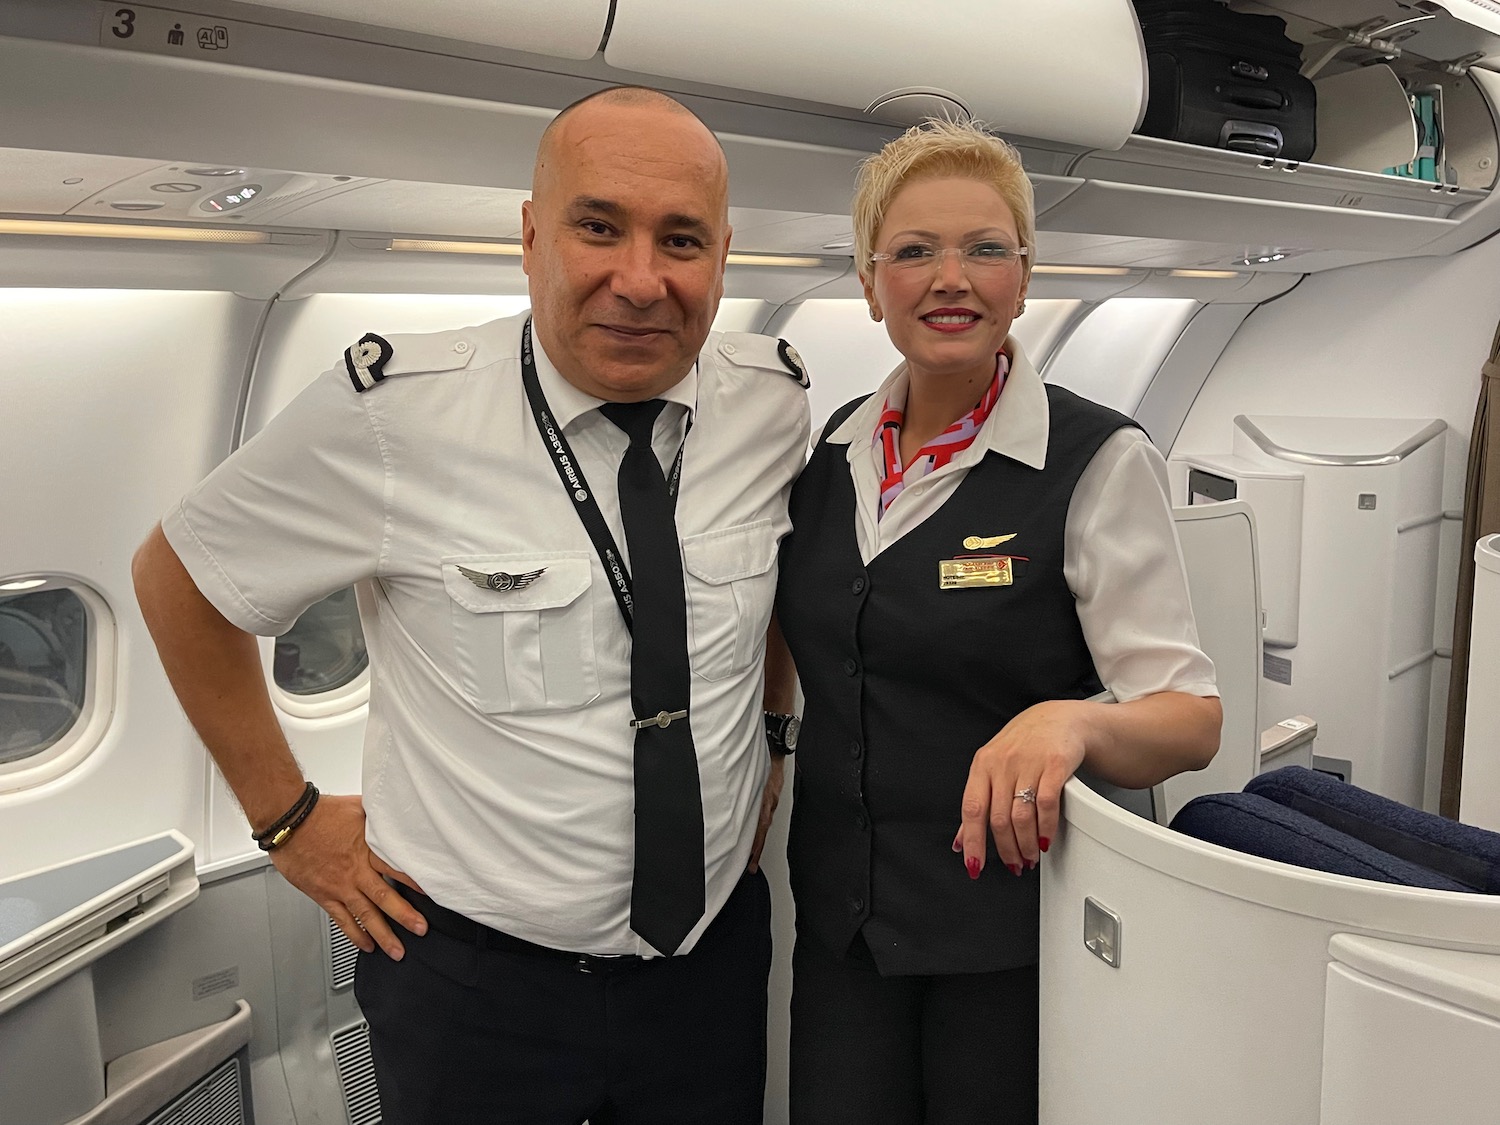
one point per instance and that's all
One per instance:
(660, 719)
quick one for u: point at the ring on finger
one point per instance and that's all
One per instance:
(1026, 796)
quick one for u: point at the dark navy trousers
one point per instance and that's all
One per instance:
(471, 1033)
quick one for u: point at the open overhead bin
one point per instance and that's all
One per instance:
(1405, 161)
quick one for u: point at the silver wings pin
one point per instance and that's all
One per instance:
(500, 580)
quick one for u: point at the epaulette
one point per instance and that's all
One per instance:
(750, 349)
(374, 359)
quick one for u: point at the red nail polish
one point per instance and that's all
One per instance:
(1015, 868)
(958, 845)
(972, 863)
(1042, 842)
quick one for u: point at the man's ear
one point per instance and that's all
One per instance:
(528, 236)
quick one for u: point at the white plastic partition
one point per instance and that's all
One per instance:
(1218, 550)
(1403, 1028)
(1215, 1007)
(1479, 800)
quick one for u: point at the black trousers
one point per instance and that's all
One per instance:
(912, 1050)
(466, 1033)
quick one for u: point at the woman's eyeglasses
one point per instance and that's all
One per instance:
(981, 256)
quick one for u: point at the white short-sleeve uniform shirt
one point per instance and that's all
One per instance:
(498, 756)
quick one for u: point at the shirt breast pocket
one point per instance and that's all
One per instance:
(731, 584)
(528, 647)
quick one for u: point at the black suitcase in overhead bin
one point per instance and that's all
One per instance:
(1226, 79)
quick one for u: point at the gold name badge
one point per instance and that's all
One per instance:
(962, 574)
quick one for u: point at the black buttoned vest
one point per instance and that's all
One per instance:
(904, 681)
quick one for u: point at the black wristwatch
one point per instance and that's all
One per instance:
(781, 732)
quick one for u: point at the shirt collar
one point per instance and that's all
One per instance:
(1016, 427)
(568, 403)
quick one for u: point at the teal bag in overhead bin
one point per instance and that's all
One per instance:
(1426, 110)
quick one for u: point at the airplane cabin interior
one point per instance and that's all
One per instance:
(202, 206)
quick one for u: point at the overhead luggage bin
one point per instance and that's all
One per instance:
(1022, 68)
(564, 29)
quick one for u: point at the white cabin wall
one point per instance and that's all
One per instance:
(115, 403)
(1399, 339)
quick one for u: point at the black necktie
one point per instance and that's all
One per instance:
(666, 897)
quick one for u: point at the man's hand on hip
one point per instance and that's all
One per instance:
(328, 860)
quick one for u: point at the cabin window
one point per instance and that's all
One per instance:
(324, 650)
(44, 667)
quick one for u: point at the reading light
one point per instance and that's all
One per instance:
(54, 228)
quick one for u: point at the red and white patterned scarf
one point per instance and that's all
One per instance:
(941, 449)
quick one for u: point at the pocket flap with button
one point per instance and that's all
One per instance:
(563, 579)
(718, 557)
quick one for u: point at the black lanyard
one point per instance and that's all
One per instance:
(570, 472)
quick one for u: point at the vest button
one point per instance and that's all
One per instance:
(856, 905)
(851, 667)
(855, 749)
(857, 586)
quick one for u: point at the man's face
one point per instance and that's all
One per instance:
(624, 241)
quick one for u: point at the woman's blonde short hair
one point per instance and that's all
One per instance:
(932, 150)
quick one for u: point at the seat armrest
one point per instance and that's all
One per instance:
(1288, 742)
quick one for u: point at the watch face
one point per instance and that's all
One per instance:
(793, 729)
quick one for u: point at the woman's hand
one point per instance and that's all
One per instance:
(1037, 752)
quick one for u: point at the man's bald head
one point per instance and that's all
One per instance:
(641, 97)
(624, 241)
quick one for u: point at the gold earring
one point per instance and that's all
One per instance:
(874, 314)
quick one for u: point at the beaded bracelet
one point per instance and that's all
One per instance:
(297, 813)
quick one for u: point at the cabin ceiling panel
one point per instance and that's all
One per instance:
(1162, 213)
(1048, 191)
(805, 234)
(50, 183)
(177, 109)
(411, 208)
(1064, 248)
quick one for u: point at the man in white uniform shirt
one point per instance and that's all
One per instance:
(501, 854)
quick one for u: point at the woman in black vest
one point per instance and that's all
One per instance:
(974, 555)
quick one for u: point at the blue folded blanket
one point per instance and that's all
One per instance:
(1256, 825)
(1468, 855)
